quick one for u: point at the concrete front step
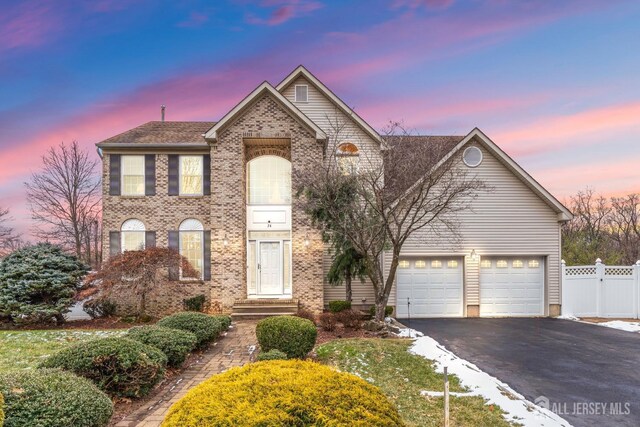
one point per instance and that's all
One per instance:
(256, 308)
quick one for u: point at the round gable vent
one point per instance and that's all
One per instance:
(472, 157)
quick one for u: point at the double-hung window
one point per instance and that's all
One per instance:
(191, 171)
(192, 247)
(133, 175)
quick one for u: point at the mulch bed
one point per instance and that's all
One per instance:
(341, 332)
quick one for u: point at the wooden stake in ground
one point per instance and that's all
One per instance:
(446, 398)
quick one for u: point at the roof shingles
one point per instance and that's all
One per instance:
(157, 132)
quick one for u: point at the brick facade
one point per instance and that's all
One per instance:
(224, 211)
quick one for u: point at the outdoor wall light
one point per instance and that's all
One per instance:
(474, 255)
(306, 240)
(225, 241)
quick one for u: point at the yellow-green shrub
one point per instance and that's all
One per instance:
(283, 393)
(1, 411)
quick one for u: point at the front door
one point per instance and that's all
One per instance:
(270, 269)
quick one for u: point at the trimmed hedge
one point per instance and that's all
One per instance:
(292, 335)
(339, 305)
(284, 393)
(53, 398)
(194, 303)
(388, 311)
(174, 343)
(206, 328)
(271, 355)
(119, 366)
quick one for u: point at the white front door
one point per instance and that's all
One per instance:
(270, 269)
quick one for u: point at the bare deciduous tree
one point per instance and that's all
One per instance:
(417, 186)
(624, 225)
(7, 235)
(64, 198)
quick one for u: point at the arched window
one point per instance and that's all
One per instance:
(132, 235)
(347, 158)
(269, 181)
(192, 245)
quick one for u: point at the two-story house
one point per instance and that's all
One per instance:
(220, 193)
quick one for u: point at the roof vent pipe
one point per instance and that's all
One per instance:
(162, 108)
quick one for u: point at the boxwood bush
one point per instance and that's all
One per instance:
(119, 366)
(292, 335)
(283, 393)
(339, 305)
(174, 343)
(271, 355)
(52, 398)
(206, 328)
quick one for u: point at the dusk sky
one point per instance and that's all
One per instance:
(555, 84)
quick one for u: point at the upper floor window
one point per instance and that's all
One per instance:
(191, 168)
(132, 234)
(302, 93)
(348, 157)
(132, 175)
(269, 181)
(192, 245)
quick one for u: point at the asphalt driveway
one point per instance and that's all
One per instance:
(578, 367)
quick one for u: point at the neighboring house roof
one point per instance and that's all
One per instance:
(165, 133)
(303, 72)
(212, 134)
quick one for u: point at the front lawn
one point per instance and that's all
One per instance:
(402, 376)
(25, 349)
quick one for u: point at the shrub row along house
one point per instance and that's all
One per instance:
(221, 194)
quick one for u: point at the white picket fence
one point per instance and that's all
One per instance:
(601, 291)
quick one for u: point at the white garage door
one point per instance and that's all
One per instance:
(512, 286)
(433, 286)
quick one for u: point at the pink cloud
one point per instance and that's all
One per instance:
(28, 24)
(281, 11)
(195, 20)
(595, 124)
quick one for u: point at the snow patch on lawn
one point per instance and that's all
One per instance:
(568, 317)
(516, 407)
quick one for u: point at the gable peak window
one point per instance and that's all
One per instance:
(302, 93)
(132, 234)
(348, 158)
(132, 175)
(191, 244)
(191, 172)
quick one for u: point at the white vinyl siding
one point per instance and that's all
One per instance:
(509, 220)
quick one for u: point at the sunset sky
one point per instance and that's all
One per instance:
(555, 84)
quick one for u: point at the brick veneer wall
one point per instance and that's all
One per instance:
(159, 213)
(224, 213)
(228, 210)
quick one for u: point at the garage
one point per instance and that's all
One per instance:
(512, 286)
(433, 286)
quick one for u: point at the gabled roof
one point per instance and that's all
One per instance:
(477, 135)
(212, 134)
(303, 72)
(157, 132)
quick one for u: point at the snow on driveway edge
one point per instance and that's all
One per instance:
(515, 406)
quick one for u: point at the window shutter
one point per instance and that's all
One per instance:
(150, 239)
(114, 174)
(114, 243)
(206, 174)
(174, 270)
(207, 255)
(174, 171)
(150, 175)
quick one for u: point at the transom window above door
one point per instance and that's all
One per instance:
(191, 168)
(269, 181)
(132, 175)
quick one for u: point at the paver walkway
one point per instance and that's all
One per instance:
(235, 349)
